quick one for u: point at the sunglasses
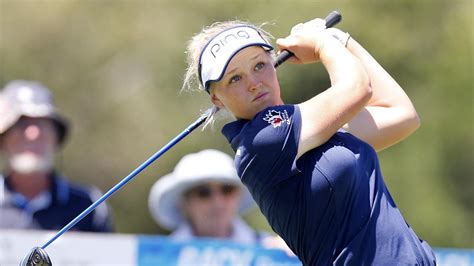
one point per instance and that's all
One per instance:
(206, 191)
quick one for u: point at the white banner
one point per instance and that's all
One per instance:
(101, 249)
(71, 249)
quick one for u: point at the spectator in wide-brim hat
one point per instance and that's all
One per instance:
(22, 98)
(203, 197)
(31, 132)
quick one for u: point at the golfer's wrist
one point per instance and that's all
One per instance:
(341, 36)
(329, 49)
(320, 44)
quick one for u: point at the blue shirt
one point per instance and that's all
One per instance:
(55, 208)
(331, 206)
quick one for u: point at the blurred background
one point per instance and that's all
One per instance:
(116, 67)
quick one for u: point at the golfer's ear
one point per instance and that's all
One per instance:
(215, 100)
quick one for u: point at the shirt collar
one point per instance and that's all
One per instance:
(57, 193)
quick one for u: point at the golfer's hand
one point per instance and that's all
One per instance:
(305, 41)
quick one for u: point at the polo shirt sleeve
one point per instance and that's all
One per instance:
(266, 154)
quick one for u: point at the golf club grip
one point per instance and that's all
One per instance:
(332, 19)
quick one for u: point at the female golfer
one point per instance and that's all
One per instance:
(312, 167)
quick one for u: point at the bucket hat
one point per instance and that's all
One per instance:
(192, 170)
(28, 98)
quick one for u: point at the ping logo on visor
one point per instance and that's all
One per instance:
(218, 52)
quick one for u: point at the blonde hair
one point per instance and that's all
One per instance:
(194, 49)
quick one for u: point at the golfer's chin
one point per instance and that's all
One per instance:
(255, 109)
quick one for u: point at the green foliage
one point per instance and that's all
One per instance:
(116, 68)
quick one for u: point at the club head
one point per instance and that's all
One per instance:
(36, 257)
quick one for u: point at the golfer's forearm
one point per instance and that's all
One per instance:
(343, 68)
(326, 112)
(386, 92)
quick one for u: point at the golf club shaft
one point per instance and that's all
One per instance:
(333, 18)
(124, 181)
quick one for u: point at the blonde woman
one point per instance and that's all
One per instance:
(312, 167)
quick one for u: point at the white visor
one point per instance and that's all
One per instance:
(221, 48)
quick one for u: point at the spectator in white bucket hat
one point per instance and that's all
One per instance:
(203, 197)
(33, 195)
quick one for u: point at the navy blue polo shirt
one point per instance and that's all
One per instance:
(54, 209)
(331, 206)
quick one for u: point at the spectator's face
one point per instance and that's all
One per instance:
(211, 207)
(29, 145)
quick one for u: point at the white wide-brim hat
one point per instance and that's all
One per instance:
(192, 170)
